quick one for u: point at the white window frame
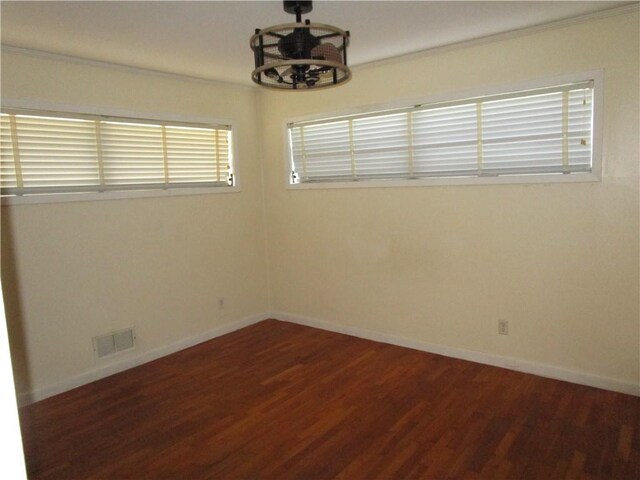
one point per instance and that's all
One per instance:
(70, 110)
(597, 76)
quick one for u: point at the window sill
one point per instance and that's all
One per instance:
(112, 195)
(452, 181)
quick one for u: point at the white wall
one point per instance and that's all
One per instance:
(74, 270)
(443, 264)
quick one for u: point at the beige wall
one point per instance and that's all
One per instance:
(442, 264)
(74, 270)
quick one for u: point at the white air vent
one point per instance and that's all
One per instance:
(112, 343)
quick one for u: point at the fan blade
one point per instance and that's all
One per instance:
(326, 51)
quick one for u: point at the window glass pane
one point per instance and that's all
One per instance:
(7, 166)
(326, 152)
(580, 112)
(447, 161)
(193, 155)
(523, 154)
(530, 116)
(445, 141)
(132, 153)
(447, 125)
(57, 152)
(381, 146)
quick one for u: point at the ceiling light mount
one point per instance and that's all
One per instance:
(300, 56)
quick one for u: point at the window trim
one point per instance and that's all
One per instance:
(118, 113)
(597, 76)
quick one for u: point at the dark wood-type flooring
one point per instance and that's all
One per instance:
(282, 401)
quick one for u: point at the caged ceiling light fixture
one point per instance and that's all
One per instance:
(300, 56)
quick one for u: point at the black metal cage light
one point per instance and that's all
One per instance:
(297, 56)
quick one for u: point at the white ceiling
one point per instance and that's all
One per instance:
(211, 39)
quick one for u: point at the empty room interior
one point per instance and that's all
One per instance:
(317, 240)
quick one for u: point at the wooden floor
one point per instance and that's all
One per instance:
(279, 401)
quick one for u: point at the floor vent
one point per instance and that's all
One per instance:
(115, 342)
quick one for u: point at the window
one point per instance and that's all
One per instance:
(50, 153)
(544, 131)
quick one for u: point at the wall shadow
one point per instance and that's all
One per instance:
(12, 304)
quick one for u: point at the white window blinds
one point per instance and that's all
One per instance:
(61, 154)
(539, 131)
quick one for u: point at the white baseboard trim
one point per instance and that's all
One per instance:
(543, 370)
(25, 398)
(511, 363)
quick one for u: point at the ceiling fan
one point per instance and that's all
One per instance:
(297, 56)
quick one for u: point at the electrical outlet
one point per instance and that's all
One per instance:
(220, 303)
(503, 327)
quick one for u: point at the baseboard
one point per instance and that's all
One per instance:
(25, 398)
(511, 363)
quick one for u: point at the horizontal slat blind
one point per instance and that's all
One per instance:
(522, 133)
(132, 153)
(7, 166)
(541, 131)
(49, 154)
(56, 152)
(323, 151)
(381, 146)
(197, 155)
(444, 141)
